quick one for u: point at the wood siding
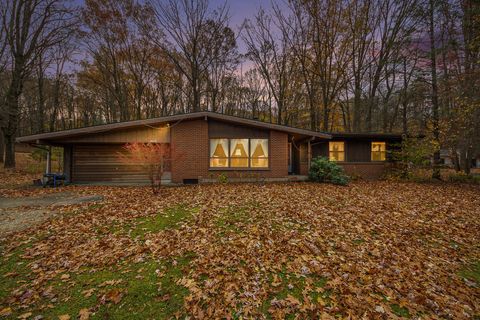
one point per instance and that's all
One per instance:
(140, 134)
(103, 163)
(217, 129)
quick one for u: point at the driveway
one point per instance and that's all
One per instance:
(17, 214)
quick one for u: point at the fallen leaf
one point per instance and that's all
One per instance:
(5, 312)
(25, 315)
(88, 293)
(84, 314)
(114, 295)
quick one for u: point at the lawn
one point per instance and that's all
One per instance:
(273, 251)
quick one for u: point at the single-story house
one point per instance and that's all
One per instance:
(212, 144)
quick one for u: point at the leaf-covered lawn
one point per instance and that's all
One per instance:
(372, 249)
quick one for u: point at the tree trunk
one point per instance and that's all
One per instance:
(313, 115)
(9, 151)
(325, 114)
(41, 98)
(2, 147)
(404, 98)
(467, 164)
(435, 104)
(357, 101)
(11, 104)
(456, 161)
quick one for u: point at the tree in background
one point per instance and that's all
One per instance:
(194, 38)
(31, 28)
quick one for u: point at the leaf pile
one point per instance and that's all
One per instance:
(373, 249)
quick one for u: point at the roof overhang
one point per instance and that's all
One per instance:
(52, 137)
(350, 135)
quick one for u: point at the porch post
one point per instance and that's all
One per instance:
(49, 161)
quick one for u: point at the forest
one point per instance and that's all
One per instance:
(380, 66)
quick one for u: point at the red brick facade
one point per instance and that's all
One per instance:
(369, 171)
(189, 141)
(190, 145)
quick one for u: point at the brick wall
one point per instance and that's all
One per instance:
(369, 171)
(190, 150)
(278, 155)
(190, 144)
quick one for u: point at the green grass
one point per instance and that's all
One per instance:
(236, 218)
(358, 241)
(463, 178)
(14, 271)
(400, 311)
(286, 283)
(472, 272)
(169, 219)
(148, 290)
(232, 219)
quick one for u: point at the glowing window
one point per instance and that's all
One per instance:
(259, 153)
(239, 153)
(336, 151)
(379, 151)
(218, 153)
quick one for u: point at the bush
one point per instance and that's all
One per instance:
(464, 178)
(323, 170)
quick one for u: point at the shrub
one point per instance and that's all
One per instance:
(323, 170)
(222, 178)
(464, 178)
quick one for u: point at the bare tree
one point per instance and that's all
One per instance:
(3, 66)
(32, 26)
(271, 56)
(331, 49)
(430, 15)
(190, 28)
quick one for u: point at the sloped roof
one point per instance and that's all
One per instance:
(36, 138)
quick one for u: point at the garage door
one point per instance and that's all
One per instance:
(103, 163)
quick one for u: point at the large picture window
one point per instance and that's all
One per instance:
(336, 151)
(239, 153)
(379, 151)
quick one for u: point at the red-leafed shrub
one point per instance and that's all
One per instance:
(154, 158)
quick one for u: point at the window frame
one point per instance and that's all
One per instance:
(249, 158)
(344, 151)
(384, 152)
